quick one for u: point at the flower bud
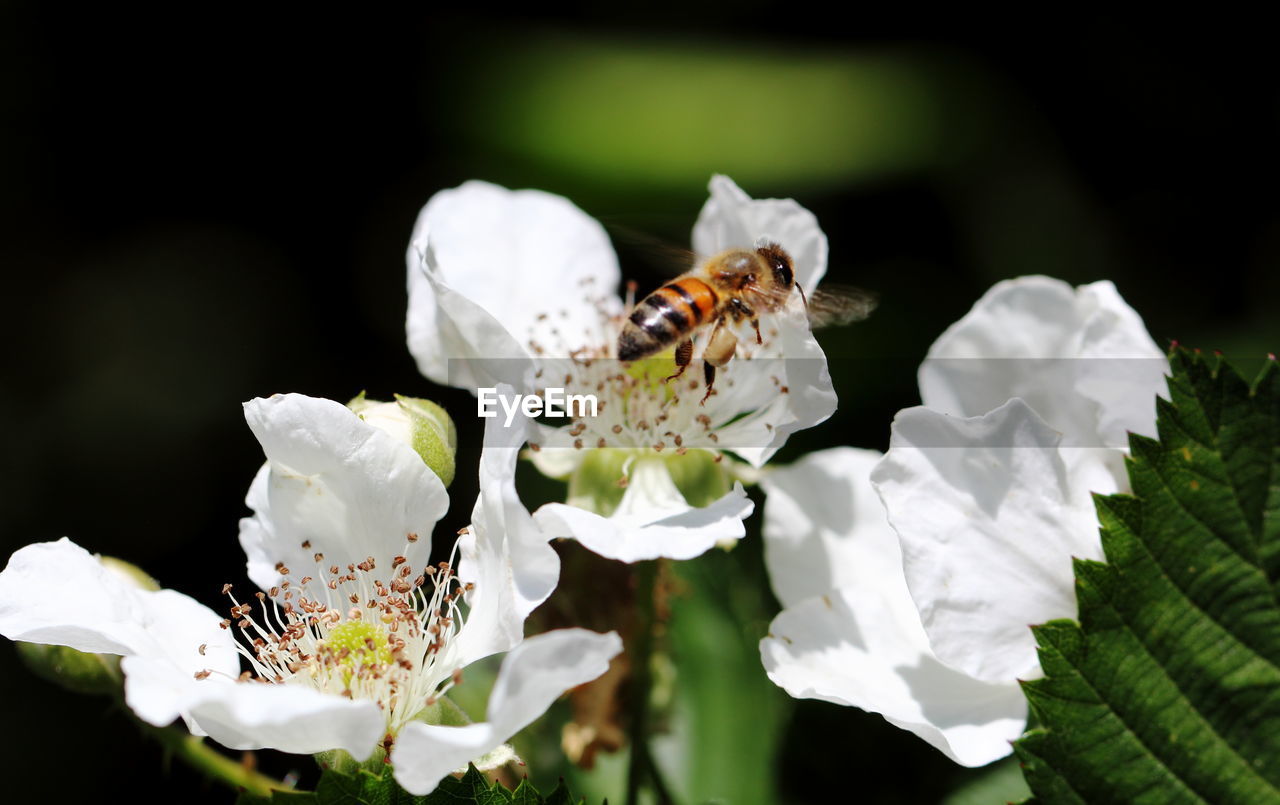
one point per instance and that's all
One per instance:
(77, 671)
(421, 424)
(130, 573)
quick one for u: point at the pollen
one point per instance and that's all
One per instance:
(360, 633)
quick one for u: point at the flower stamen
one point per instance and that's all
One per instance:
(353, 635)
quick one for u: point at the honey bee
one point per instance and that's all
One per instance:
(735, 286)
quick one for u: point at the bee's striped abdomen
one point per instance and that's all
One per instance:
(665, 316)
(698, 296)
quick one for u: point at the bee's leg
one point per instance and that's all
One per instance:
(631, 295)
(684, 355)
(718, 352)
(741, 311)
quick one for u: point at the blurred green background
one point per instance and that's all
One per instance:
(201, 206)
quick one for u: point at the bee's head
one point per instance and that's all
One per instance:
(779, 261)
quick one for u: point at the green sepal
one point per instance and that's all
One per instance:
(342, 762)
(435, 437)
(597, 484)
(443, 711)
(699, 476)
(1167, 686)
(361, 402)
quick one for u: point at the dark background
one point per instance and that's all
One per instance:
(207, 205)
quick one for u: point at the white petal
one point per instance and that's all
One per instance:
(855, 647)
(760, 415)
(252, 715)
(1080, 357)
(345, 487)
(988, 520)
(555, 462)
(512, 256)
(732, 219)
(824, 527)
(505, 554)
(652, 520)
(455, 341)
(532, 676)
(188, 640)
(863, 644)
(58, 593)
(1124, 369)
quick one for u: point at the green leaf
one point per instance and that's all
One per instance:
(473, 787)
(364, 787)
(560, 795)
(278, 798)
(359, 788)
(1167, 689)
(526, 794)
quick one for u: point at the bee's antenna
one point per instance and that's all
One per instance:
(803, 298)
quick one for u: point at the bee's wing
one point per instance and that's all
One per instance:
(658, 254)
(833, 305)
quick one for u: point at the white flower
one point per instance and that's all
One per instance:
(355, 634)
(849, 632)
(987, 488)
(521, 287)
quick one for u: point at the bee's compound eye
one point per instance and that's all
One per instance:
(779, 262)
(781, 271)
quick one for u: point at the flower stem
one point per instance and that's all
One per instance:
(642, 768)
(659, 785)
(214, 765)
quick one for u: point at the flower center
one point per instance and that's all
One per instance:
(351, 633)
(641, 404)
(359, 644)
